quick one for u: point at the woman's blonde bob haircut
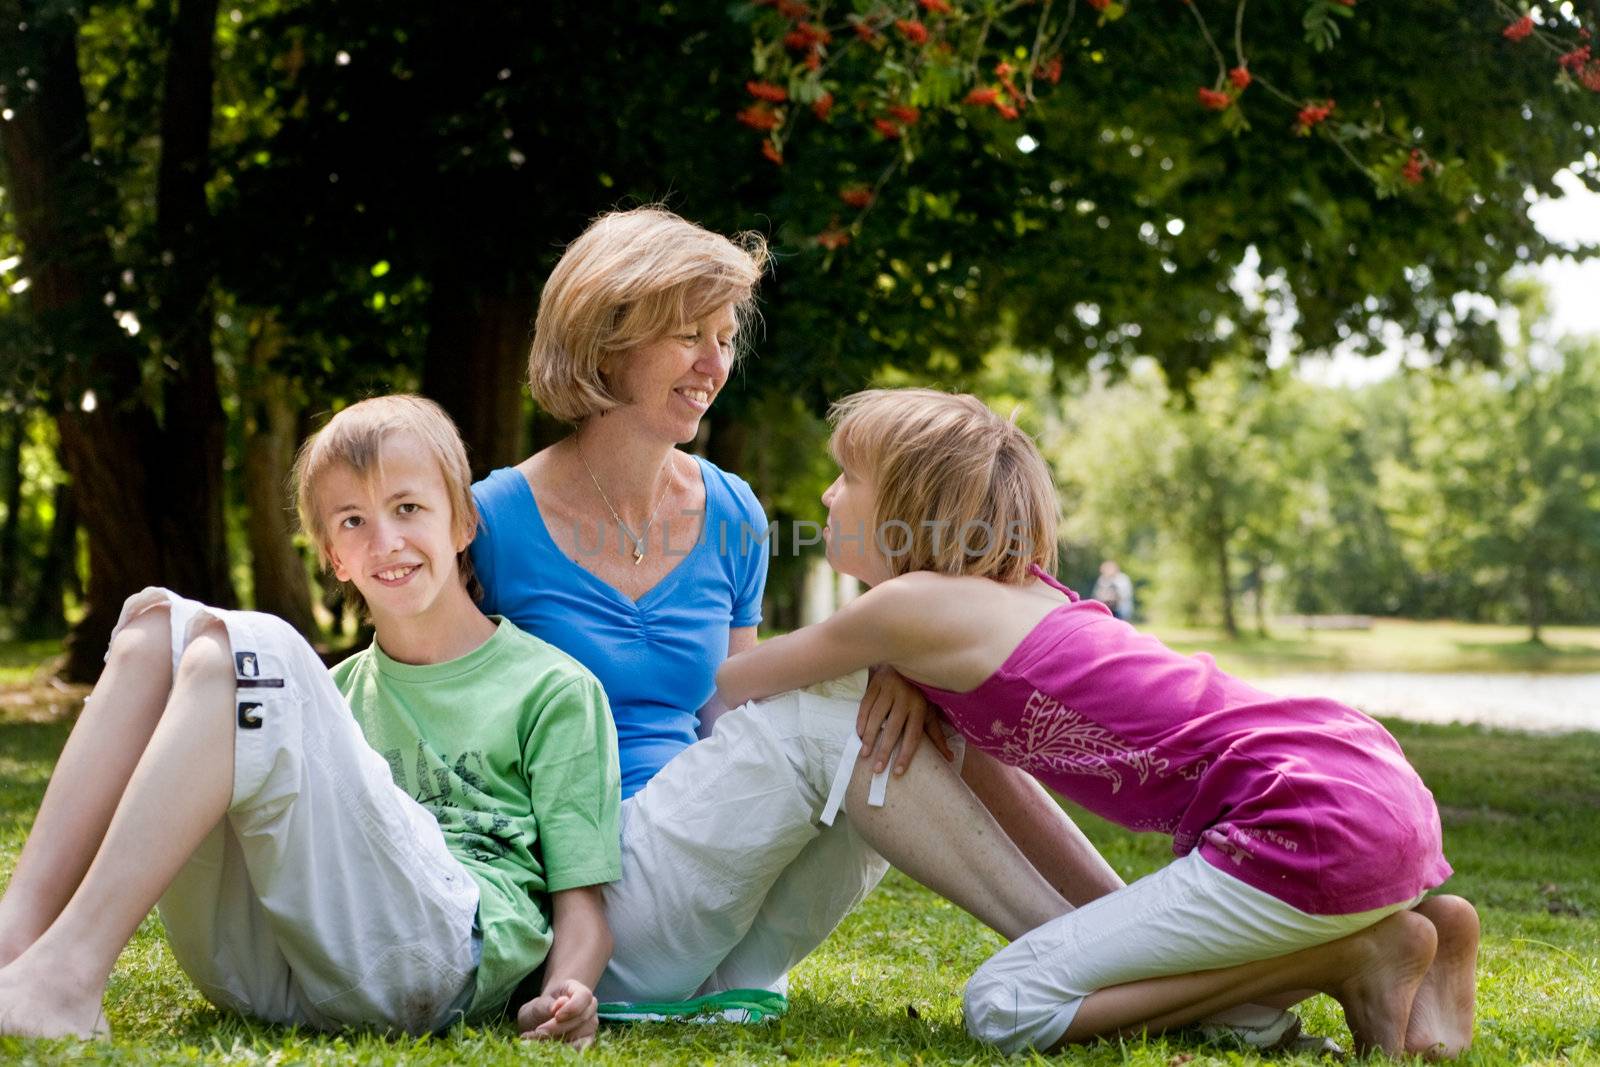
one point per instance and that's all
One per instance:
(354, 438)
(631, 278)
(959, 490)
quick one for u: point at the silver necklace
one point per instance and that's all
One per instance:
(637, 542)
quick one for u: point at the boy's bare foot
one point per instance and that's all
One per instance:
(1391, 958)
(29, 1008)
(1441, 1017)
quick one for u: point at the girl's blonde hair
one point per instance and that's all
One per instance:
(959, 490)
(631, 278)
(354, 438)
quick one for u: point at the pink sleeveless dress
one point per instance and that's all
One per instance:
(1303, 798)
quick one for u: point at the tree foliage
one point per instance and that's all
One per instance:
(233, 217)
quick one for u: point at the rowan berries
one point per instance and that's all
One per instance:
(1519, 29)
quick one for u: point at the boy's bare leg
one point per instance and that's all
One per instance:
(934, 829)
(1374, 974)
(1441, 1018)
(1035, 822)
(180, 789)
(87, 782)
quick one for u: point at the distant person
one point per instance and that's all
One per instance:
(1305, 843)
(400, 844)
(1115, 590)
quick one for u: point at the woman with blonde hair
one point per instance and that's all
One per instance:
(741, 850)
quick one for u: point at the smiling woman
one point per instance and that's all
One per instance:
(741, 850)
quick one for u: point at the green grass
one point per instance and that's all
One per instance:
(1393, 645)
(24, 662)
(1522, 825)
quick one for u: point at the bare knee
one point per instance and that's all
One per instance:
(208, 657)
(144, 646)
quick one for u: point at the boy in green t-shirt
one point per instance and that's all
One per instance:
(404, 866)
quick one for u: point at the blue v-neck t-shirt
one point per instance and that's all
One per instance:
(657, 657)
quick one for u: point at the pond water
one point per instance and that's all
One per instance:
(1535, 702)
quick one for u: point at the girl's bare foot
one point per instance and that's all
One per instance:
(1441, 1017)
(1390, 960)
(33, 1008)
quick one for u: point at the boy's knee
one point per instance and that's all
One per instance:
(145, 643)
(209, 654)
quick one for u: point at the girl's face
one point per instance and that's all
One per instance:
(853, 543)
(670, 383)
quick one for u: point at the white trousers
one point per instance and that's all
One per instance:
(729, 875)
(326, 896)
(1185, 918)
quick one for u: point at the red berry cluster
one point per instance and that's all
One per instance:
(1579, 62)
(857, 196)
(936, 7)
(1313, 115)
(774, 94)
(1413, 170)
(1214, 99)
(760, 117)
(1099, 5)
(1519, 29)
(912, 30)
(833, 238)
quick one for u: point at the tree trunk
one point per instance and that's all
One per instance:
(46, 616)
(189, 494)
(1219, 542)
(476, 361)
(62, 208)
(14, 426)
(143, 529)
(1534, 578)
(271, 420)
(1258, 584)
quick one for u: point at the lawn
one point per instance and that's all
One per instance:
(1393, 645)
(1522, 825)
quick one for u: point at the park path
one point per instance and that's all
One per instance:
(1541, 703)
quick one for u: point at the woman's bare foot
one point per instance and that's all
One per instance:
(30, 1007)
(1441, 1017)
(1390, 960)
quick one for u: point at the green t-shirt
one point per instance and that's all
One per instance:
(511, 748)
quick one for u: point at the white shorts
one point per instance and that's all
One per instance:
(733, 865)
(326, 896)
(1185, 918)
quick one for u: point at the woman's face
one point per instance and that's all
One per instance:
(670, 383)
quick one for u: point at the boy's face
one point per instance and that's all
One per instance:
(392, 531)
(853, 547)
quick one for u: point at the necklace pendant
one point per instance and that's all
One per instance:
(638, 555)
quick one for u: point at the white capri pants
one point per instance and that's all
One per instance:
(734, 866)
(1186, 918)
(326, 896)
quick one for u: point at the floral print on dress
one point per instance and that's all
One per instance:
(1053, 738)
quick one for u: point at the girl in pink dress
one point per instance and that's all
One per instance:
(1306, 843)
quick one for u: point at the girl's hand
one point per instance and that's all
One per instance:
(567, 1013)
(894, 711)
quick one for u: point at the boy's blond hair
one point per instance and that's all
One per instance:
(631, 278)
(354, 438)
(959, 490)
